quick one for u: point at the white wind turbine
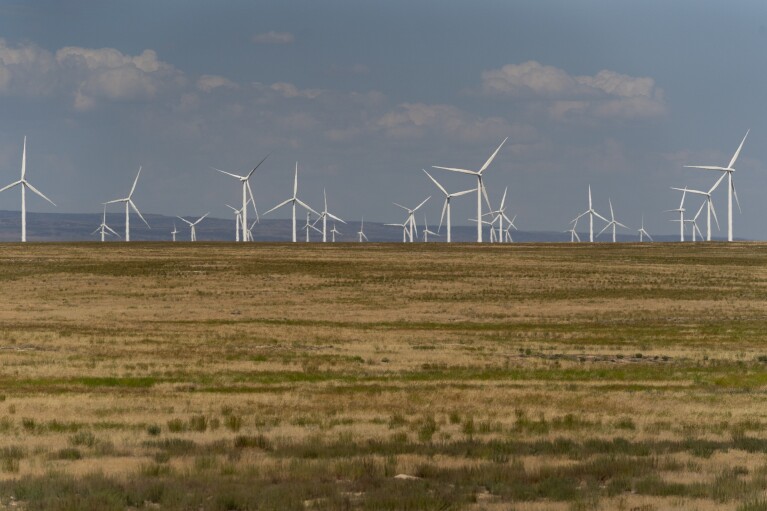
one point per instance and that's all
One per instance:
(309, 225)
(174, 231)
(324, 217)
(192, 225)
(680, 210)
(293, 200)
(411, 217)
(612, 223)
(446, 205)
(404, 226)
(573, 233)
(480, 187)
(361, 233)
(709, 203)
(426, 231)
(129, 204)
(592, 213)
(334, 232)
(507, 231)
(250, 230)
(24, 185)
(643, 233)
(694, 223)
(246, 191)
(104, 228)
(237, 221)
(499, 216)
(729, 169)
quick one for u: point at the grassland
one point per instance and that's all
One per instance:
(363, 376)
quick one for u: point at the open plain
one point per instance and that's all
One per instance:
(367, 376)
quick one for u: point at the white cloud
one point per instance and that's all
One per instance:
(26, 70)
(289, 90)
(208, 83)
(273, 37)
(414, 120)
(607, 94)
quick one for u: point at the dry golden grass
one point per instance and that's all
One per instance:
(451, 360)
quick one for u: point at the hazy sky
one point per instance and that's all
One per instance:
(363, 95)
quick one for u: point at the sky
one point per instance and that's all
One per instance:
(618, 95)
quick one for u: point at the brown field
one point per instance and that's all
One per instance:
(365, 376)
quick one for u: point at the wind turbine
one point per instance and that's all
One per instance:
(480, 187)
(411, 217)
(245, 180)
(500, 216)
(426, 231)
(710, 204)
(129, 204)
(404, 226)
(729, 169)
(250, 230)
(446, 205)
(24, 185)
(192, 225)
(573, 233)
(334, 232)
(104, 228)
(680, 210)
(324, 217)
(507, 231)
(643, 233)
(361, 232)
(174, 231)
(293, 200)
(612, 223)
(592, 213)
(309, 225)
(237, 221)
(694, 222)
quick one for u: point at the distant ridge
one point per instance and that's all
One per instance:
(79, 226)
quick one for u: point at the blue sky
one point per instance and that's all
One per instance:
(618, 95)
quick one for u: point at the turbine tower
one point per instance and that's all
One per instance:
(129, 204)
(24, 185)
(729, 169)
(592, 213)
(612, 223)
(237, 221)
(104, 228)
(245, 180)
(446, 205)
(480, 187)
(293, 200)
(192, 225)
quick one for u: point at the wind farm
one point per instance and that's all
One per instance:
(511, 271)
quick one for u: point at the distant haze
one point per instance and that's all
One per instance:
(619, 95)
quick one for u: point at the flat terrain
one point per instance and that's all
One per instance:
(364, 376)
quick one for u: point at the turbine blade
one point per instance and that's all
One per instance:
(436, 183)
(400, 205)
(462, 171)
(600, 216)
(330, 215)
(306, 206)
(603, 230)
(10, 186)
(735, 193)
(200, 219)
(465, 192)
(38, 192)
(288, 201)
(138, 213)
(717, 183)
(111, 230)
(713, 211)
(735, 156)
(228, 173)
(259, 164)
(442, 216)
(252, 199)
(133, 188)
(492, 157)
(705, 167)
(422, 203)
